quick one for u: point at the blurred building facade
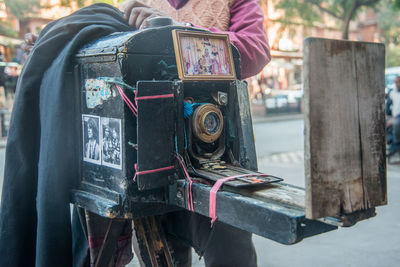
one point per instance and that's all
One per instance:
(284, 35)
(279, 85)
(34, 22)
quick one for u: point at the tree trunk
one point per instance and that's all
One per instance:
(347, 18)
(345, 31)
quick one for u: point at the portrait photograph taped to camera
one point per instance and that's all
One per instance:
(111, 142)
(91, 139)
(205, 56)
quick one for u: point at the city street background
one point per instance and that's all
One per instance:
(374, 242)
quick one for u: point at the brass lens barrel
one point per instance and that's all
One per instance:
(207, 123)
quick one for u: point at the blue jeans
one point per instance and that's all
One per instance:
(395, 147)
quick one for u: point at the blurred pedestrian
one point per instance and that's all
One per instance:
(394, 121)
(11, 72)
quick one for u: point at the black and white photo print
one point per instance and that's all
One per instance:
(111, 142)
(91, 139)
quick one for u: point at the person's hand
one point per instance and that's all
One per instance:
(389, 123)
(29, 41)
(137, 13)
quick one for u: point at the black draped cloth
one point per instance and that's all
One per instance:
(41, 159)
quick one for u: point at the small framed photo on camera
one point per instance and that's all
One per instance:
(203, 56)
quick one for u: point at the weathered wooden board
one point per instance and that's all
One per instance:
(282, 193)
(345, 126)
(371, 95)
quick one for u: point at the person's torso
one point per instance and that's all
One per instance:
(204, 13)
(395, 96)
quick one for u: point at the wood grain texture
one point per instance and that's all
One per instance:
(371, 107)
(345, 126)
(282, 193)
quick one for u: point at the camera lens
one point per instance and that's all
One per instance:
(211, 123)
(207, 123)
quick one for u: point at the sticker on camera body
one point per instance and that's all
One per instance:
(97, 92)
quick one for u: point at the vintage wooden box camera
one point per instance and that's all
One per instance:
(164, 106)
(143, 127)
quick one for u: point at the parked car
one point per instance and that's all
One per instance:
(284, 102)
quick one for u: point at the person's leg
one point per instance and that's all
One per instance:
(222, 245)
(396, 134)
(230, 246)
(389, 134)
